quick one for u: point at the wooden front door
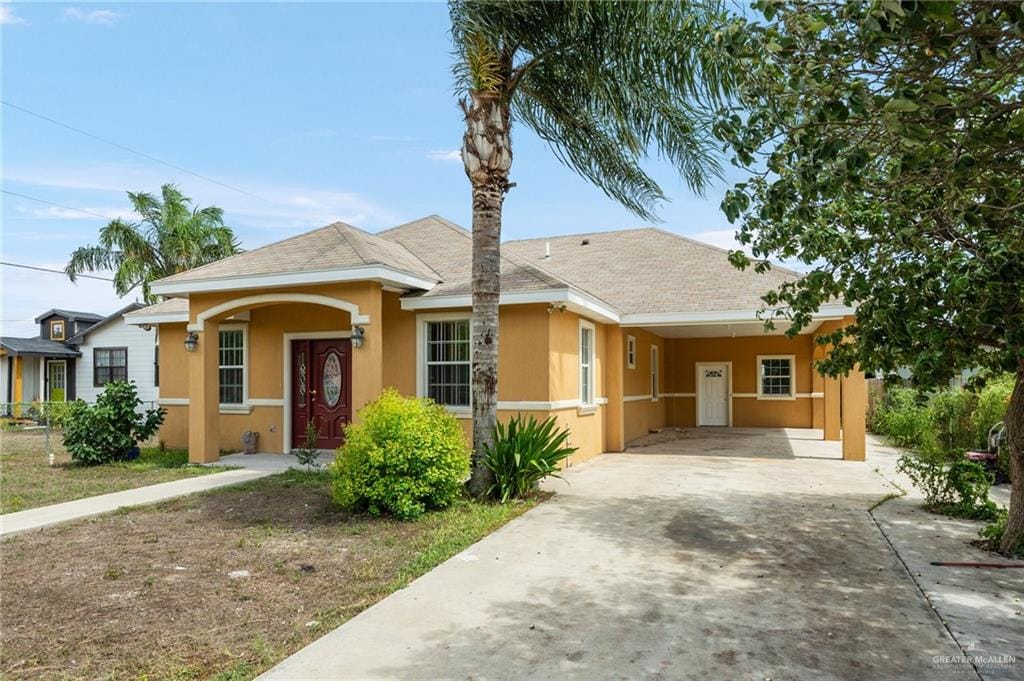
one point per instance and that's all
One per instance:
(321, 390)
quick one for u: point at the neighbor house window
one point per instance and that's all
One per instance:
(57, 330)
(109, 365)
(655, 379)
(447, 354)
(586, 363)
(775, 376)
(232, 366)
(631, 352)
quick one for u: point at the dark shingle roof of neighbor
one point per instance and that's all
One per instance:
(73, 315)
(37, 346)
(77, 338)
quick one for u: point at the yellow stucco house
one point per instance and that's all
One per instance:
(615, 333)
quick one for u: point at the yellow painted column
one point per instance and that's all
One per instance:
(19, 384)
(368, 361)
(204, 397)
(614, 416)
(855, 392)
(830, 408)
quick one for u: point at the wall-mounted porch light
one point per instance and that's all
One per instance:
(358, 336)
(191, 341)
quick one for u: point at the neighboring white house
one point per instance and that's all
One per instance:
(113, 350)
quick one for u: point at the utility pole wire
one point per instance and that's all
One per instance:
(53, 271)
(51, 203)
(130, 150)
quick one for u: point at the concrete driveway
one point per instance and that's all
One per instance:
(665, 563)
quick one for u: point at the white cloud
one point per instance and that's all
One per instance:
(451, 155)
(8, 17)
(98, 17)
(27, 293)
(284, 207)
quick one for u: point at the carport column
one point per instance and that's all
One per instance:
(831, 408)
(368, 361)
(204, 397)
(855, 392)
(614, 416)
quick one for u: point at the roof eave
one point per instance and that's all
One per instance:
(383, 274)
(573, 299)
(824, 313)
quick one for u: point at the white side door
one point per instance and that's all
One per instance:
(713, 409)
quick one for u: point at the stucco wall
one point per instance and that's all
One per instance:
(641, 412)
(747, 409)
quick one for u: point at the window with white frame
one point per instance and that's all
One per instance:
(775, 376)
(630, 352)
(586, 363)
(448, 365)
(655, 378)
(232, 366)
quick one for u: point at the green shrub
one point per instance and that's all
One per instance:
(903, 418)
(525, 451)
(52, 413)
(951, 429)
(403, 457)
(308, 454)
(955, 487)
(108, 430)
(993, 532)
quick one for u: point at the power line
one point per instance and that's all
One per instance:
(51, 203)
(47, 269)
(130, 150)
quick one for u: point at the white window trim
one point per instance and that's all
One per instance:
(421, 354)
(792, 378)
(655, 373)
(243, 407)
(630, 351)
(588, 400)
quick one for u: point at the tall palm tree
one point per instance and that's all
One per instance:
(171, 237)
(604, 83)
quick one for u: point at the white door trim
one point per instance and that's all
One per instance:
(697, 381)
(48, 389)
(286, 384)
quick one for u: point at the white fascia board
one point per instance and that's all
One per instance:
(577, 300)
(384, 275)
(723, 317)
(156, 318)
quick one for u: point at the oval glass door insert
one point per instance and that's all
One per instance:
(332, 379)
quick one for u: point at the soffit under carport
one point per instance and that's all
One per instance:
(732, 330)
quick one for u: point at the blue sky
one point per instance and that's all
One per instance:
(323, 111)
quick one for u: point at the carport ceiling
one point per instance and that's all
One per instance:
(725, 330)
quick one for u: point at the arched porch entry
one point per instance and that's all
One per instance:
(268, 362)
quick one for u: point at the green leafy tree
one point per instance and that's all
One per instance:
(171, 237)
(886, 141)
(604, 84)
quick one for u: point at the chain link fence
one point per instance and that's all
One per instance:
(43, 418)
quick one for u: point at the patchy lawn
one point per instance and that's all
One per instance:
(27, 480)
(148, 592)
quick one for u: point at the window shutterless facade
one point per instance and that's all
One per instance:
(775, 376)
(631, 352)
(586, 363)
(232, 366)
(109, 365)
(447, 362)
(57, 330)
(655, 379)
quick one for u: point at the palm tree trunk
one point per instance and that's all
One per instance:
(1014, 534)
(487, 155)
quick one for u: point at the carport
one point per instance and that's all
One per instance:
(713, 371)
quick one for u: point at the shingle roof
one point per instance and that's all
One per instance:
(77, 338)
(37, 346)
(71, 315)
(448, 250)
(335, 246)
(652, 271)
(169, 306)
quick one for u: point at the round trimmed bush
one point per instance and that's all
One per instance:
(403, 457)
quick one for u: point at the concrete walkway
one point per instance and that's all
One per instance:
(248, 468)
(660, 566)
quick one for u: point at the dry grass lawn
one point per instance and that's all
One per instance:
(28, 481)
(146, 592)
